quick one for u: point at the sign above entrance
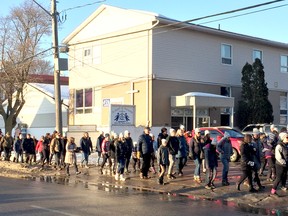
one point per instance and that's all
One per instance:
(122, 115)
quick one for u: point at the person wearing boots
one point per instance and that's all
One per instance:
(224, 147)
(163, 160)
(120, 156)
(247, 163)
(70, 156)
(211, 164)
(281, 156)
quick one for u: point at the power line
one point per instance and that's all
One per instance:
(80, 6)
(244, 14)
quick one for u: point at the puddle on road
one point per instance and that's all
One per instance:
(123, 189)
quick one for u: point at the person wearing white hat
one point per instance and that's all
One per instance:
(281, 155)
(211, 164)
(195, 149)
(224, 147)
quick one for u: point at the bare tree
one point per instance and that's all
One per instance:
(20, 44)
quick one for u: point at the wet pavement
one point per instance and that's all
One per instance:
(260, 203)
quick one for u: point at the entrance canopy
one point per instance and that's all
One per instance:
(201, 99)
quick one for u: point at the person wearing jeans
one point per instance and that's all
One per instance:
(195, 149)
(224, 147)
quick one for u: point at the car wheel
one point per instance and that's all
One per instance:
(235, 156)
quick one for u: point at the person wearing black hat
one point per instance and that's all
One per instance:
(145, 150)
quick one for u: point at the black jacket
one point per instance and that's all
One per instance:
(145, 144)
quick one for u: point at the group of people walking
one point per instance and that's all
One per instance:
(169, 151)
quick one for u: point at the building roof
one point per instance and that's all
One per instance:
(49, 90)
(175, 23)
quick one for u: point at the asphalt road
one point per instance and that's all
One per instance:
(26, 197)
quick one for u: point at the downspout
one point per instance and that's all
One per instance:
(148, 75)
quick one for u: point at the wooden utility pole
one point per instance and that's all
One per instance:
(57, 89)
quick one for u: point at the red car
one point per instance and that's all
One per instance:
(218, 133)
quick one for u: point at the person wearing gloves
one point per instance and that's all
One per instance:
(224, 147)
(247, 163)
(281, 156)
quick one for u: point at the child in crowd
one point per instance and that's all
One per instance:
(136, 161)
(163, 160)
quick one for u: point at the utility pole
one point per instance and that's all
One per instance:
(57, 89)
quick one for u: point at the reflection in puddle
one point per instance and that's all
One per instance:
(165, 196)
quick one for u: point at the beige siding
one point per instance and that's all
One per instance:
(195, 56)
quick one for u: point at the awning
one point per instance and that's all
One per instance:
(201, 99)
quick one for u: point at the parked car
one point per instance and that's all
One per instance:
(265, 128)
(218, 133)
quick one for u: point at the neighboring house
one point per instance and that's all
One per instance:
(37, 116)
(163, 67)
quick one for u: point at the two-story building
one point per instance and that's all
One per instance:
(164, 69)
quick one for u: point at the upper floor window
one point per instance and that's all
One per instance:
(84, 100)
(257, 54)
(284, 63)
(226, 54)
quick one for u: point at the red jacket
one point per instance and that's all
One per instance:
(39, 146)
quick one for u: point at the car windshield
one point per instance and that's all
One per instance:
(233, 133)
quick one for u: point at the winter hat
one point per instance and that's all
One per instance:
(261, 130)
(226, 134)
(256, 131)
(182, 127)
(197, 130)
(214, 142)
(272, 127)
(283, 135)
(172, 130)
(206, 132)
(126, 132)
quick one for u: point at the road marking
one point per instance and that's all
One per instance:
(52, 210)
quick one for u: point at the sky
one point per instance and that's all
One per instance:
(269, 23)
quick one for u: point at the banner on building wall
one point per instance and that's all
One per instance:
(122, 115)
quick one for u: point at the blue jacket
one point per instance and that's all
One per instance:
(210, 156)
(163, 155)
(224, 147)
(183, 147)
(17, 146)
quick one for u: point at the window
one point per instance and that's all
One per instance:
(226, 54)
(284, 63)
(84, 101)
(283, 108)
(257, 54)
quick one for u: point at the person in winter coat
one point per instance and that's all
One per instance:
(182, 152)
(211, 164)
(86, 148)
(120, 155)
(144, 150)
(269, 153)
(129, 143)
(163, 160)
(195, 150)
(247, 163)
(7, 143)
(224, 147)
(46, 149)
(136, 161)
(40, 148)
(98, 146)
(56, 149)
(281, 156)
(70, 156)
(173, 144)
(207, 140)
(18, 152)
(256, 145)
(105, 151)
(28, 149)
